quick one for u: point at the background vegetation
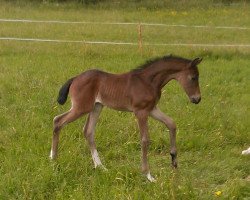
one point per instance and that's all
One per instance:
(132, 4)
(210, 136)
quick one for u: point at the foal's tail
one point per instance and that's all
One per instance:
(63, 93)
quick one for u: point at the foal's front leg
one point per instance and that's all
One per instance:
(142, 117)
(160, 116)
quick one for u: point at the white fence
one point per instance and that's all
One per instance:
(122, 43)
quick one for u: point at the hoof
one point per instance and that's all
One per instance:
(151, 178)
(245, 152)
(174, 159)
(102, 167)
(174, 165)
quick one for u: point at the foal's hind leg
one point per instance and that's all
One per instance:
(89, 130)
(59, 122)
(160, 116)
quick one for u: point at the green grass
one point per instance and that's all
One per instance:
(210, 136)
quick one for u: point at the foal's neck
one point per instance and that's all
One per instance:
(162, 72)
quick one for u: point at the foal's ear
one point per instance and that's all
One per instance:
(195, 62)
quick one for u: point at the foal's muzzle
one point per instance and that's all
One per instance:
(195, 99)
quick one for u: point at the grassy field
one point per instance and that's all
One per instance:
(210, 136)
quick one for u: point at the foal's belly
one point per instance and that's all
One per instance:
(113, 92)
(120, 103)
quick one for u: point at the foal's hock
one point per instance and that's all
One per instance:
(136, 91)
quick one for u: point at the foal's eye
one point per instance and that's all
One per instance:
(194, 78)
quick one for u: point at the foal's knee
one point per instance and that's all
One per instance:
(145, 142)
(171, 126)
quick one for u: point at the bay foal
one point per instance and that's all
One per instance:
(137, 91)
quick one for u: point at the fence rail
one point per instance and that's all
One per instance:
(122, 43)
(139, 44)
(122, 23)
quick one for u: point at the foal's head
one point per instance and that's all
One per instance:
(189, 80)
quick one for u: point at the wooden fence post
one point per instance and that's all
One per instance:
(140, 37)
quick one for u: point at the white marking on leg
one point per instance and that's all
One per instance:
(98, 99)
(52, 155)
(245, 152)
(96, 159)
(150, 178)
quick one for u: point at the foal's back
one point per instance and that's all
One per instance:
(125, 92)
(94, 86)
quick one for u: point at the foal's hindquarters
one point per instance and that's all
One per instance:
(83, 92)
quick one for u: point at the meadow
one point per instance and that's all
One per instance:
(210, 136)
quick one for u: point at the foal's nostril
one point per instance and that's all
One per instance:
(195, 100)
(198, 99)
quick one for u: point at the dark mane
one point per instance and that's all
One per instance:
(164, 58)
